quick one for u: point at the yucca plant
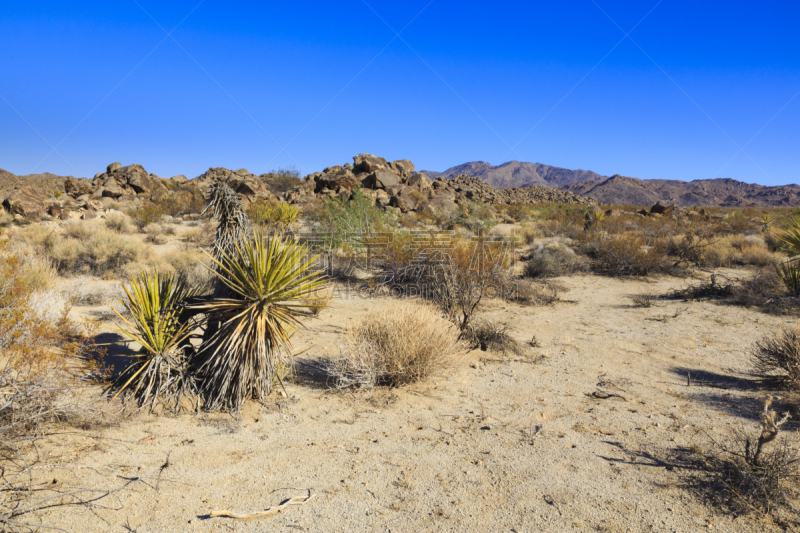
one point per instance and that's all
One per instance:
(268, 283)
(790, 235)
(789, 273)
(158, 373)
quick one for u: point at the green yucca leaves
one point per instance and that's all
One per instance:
(157, 373)
(269, 282)
(789, 273)
(790, 235)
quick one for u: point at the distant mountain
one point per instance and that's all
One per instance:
(519, 174)
(722, 192)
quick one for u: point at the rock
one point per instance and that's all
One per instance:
(420, 181)
(404, 168)
(98, 193)
(180, 179)
(661, 208)
(442, 202)
(113, 166)
(26, 202)
(54, 209)
(368, 162)
(337, 179)
(402, 200)
(383, 178)
(77, 186)
(381, 198)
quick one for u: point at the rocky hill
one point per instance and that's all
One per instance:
(519, 174)
(391, 185)
(722, 192)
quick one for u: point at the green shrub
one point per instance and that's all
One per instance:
(147, 213)
(358, 216)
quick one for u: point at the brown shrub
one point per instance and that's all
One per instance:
(119, 222)
(527, 233)
(554, 259)
(103, 253)
(147, 213)
(319, 300)
(495, 337)
(530, 293)
(402, 343)
(778, 357)
(627, 255)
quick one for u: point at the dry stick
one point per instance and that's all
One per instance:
(162, 468)
(297, 500)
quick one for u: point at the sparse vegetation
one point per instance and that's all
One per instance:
(403, 343)
(554, 259)
(758, 474)
(778, 358)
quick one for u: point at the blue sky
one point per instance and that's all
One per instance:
(696, 91)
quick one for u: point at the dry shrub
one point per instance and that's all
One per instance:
(319, 300)
(534, 293)
(495, 337)
(554, 259)
(79, 229)
(527, 233)
(103, 253)
(200, 236)
(119, 222)
(403, 343)
(778, 358)
(758, 474)
(45, 374)
(643, 301)
(147, 213)
(627, 254)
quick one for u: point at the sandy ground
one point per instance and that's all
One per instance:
(495, 443)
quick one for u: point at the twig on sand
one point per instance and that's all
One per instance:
(297, 500)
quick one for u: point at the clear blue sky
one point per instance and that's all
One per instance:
(556, 81)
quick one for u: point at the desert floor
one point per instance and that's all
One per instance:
(494, 443)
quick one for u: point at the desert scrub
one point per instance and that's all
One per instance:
(146, 213)
(777, 358)
(473, 216)
(118, 222)
(403, 343)
(356, 216)
(103, 253)
(626, 254)
(553, 259)
(757, 472)
(46, 373)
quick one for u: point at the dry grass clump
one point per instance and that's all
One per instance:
(527, 292)
(202, 236)
(104, 253)
(155, 233)
(119, 222)
(319, 300)
(495, 337)
(527, 233)
(79, 229)
(627, 254)
(778, 358)
(146, 213)
(403, 343)
(643, 301)
(554, 259)
(758, 474)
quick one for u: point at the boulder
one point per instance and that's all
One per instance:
(77, 186)
(26, 202)
(403, 167)
(113, 166)
(180, 179)
(337, 179)
(420, 181)
(112, 191)
(404, 200)
(442, 202)
(661, 208)
(368, 162)
(383, 178)
(381, 198)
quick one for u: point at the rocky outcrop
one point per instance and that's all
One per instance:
(27, 202)
(396, 184)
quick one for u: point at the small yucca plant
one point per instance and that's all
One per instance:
(790, 235)
(789, 273)
(158, 373)
(269, 282)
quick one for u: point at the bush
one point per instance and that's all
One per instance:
(495, 338)
(400, 344)
(759, 474)
(627, 255)
(279, 216)
(79, 229)
(46, 371)
(282, 180)
(119, 222)
(101, 254)
(528, 293)
(473, 216)
(356, 216)
(779, 357)
(554, 259)
(527, 232)
(147, 213)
